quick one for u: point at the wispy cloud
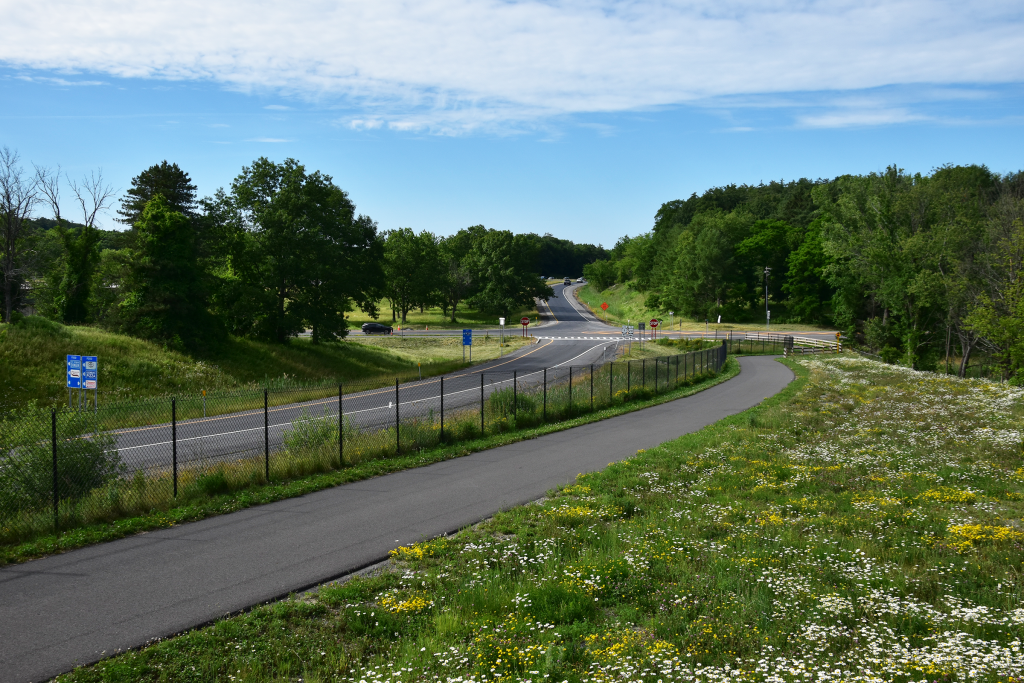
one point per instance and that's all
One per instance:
(857, 118)
(62, 82)
(277, 107)
(365, 124)
(274, 140)
(455, 65)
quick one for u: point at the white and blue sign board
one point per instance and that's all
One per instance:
(90, 371)
(467, 337)
(74, 372)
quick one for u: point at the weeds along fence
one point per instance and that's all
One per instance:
(65, 468)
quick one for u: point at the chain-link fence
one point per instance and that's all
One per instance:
(65, 468)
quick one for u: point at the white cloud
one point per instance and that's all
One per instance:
(277, 107)
(365, 124)
(452, 65)
(862, 117)
(63, 82)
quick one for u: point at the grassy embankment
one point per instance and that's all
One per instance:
(309, 463)
(862, 525)
(624, 304)
(32, 362)
(435, 319)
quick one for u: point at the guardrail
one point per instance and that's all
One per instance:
(798, 342)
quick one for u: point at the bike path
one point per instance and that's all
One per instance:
(75, 608)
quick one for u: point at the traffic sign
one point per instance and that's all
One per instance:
(654, 322)
(604, 306)
(524, 321)
(74, 372)
(641, 327)
(90, 371)
(467, 337)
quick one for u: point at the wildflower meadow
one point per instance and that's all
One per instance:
(864, 525)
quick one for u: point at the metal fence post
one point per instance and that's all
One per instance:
(398, 426)
(545, 394)
(174, 444)
(266, 434)
(481, 404)
(442, 408)
(515, 394)
(56, 493)
(341, 428)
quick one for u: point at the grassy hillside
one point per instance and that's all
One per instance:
(32, 362)
(626, 304)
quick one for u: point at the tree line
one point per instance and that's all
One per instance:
(282, 250)
(921, 268)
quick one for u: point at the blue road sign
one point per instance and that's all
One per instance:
(74, 372)
(90, 371)
(467, 337)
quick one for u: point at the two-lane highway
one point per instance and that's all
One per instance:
(201, 441)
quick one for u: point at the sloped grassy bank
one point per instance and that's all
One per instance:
(863, 525)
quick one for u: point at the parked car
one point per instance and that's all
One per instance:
(376, 328)
(567, 282)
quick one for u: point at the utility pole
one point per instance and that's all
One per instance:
(767, 313)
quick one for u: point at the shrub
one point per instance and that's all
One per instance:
(84, 461)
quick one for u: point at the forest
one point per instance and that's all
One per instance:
(923, 269)
(281, 251)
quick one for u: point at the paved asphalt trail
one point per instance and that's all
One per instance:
(69, 609)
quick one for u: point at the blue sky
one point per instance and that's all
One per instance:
(576, 118)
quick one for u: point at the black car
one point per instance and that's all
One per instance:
(376, 328)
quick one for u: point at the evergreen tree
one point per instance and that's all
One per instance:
(164, 179)
(166, 298)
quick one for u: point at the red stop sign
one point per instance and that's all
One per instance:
(604, 306)
(654, 323)
(524, 321)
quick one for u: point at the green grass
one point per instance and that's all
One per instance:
(434, 318)
(626, 304)
(112, 514)
(32, 363)
(437, 350)
(862, 525)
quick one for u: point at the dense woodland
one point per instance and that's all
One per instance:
(280, 251)
(920, 268)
